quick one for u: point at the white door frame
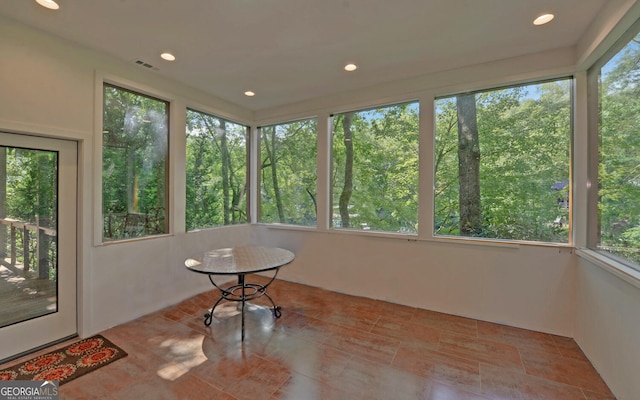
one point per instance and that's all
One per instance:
(38, 332)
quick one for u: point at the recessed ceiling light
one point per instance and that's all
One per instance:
(168, 56)
(249, 93)
(543, 19)
(350, 67)
(50, 4)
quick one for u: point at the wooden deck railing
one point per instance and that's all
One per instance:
(133, 224)
(20, 239)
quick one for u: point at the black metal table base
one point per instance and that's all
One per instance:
(243, 292)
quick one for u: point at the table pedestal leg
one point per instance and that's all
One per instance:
(231, 294)
(243, 299)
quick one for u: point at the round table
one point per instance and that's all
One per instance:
(240, 261)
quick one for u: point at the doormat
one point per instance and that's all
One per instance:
(66, 364)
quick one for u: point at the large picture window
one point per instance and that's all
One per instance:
(618, 227)
(134, 164)
(374, 176)
(216, 171)
(288, 173)
(502, 162)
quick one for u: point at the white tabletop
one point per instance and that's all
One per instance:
(239, 260)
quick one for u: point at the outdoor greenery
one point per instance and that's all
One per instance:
(29, 180)
(519, 139)
(288, 173)
(619, 168)
(216, 171)
(134, 164)
(31, 185)
(375, 170)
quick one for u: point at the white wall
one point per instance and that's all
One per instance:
(128, 280)
(608, 326)
(462, 279)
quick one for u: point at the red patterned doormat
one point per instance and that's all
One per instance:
(66, 364)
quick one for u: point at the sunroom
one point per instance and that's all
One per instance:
(478, 166)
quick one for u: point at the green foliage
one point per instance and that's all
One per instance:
(619, 167)
(288, 173)
(525, 142)
(385, 169)
(134, 164)
(216, 171)
(31, 185)
(32, 197)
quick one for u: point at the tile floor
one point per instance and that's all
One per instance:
(333, 346)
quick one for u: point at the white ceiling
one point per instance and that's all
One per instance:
(291, 50)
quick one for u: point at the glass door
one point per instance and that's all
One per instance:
(38, 180)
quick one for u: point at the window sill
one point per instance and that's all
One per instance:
(614, 267)
(214, 228)
(135, 239)
(287, 227)
(447, 240)
(348, 232)
(469, 241)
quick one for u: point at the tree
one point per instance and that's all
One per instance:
(469, 166)
(289, 173)
(524, 141)
(375, 169)
(135, 148)
(30, 182)
(224, 154)
(216, 171)
(619, 148)
(269, 138)
(347, 188)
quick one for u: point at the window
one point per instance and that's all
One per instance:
(618, 227)
(374, 177)
(134, 164)
(216, 171)
(288, 176)
(502, 162)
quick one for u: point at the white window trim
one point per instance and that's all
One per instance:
(610, 265)
(100, 80)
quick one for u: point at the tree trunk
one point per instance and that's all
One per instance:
(237, 191)
(132, 183)
(224, 152)
(238, 196)
(271, 153)
(199, 194)
(347, 189)
(468, 166)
